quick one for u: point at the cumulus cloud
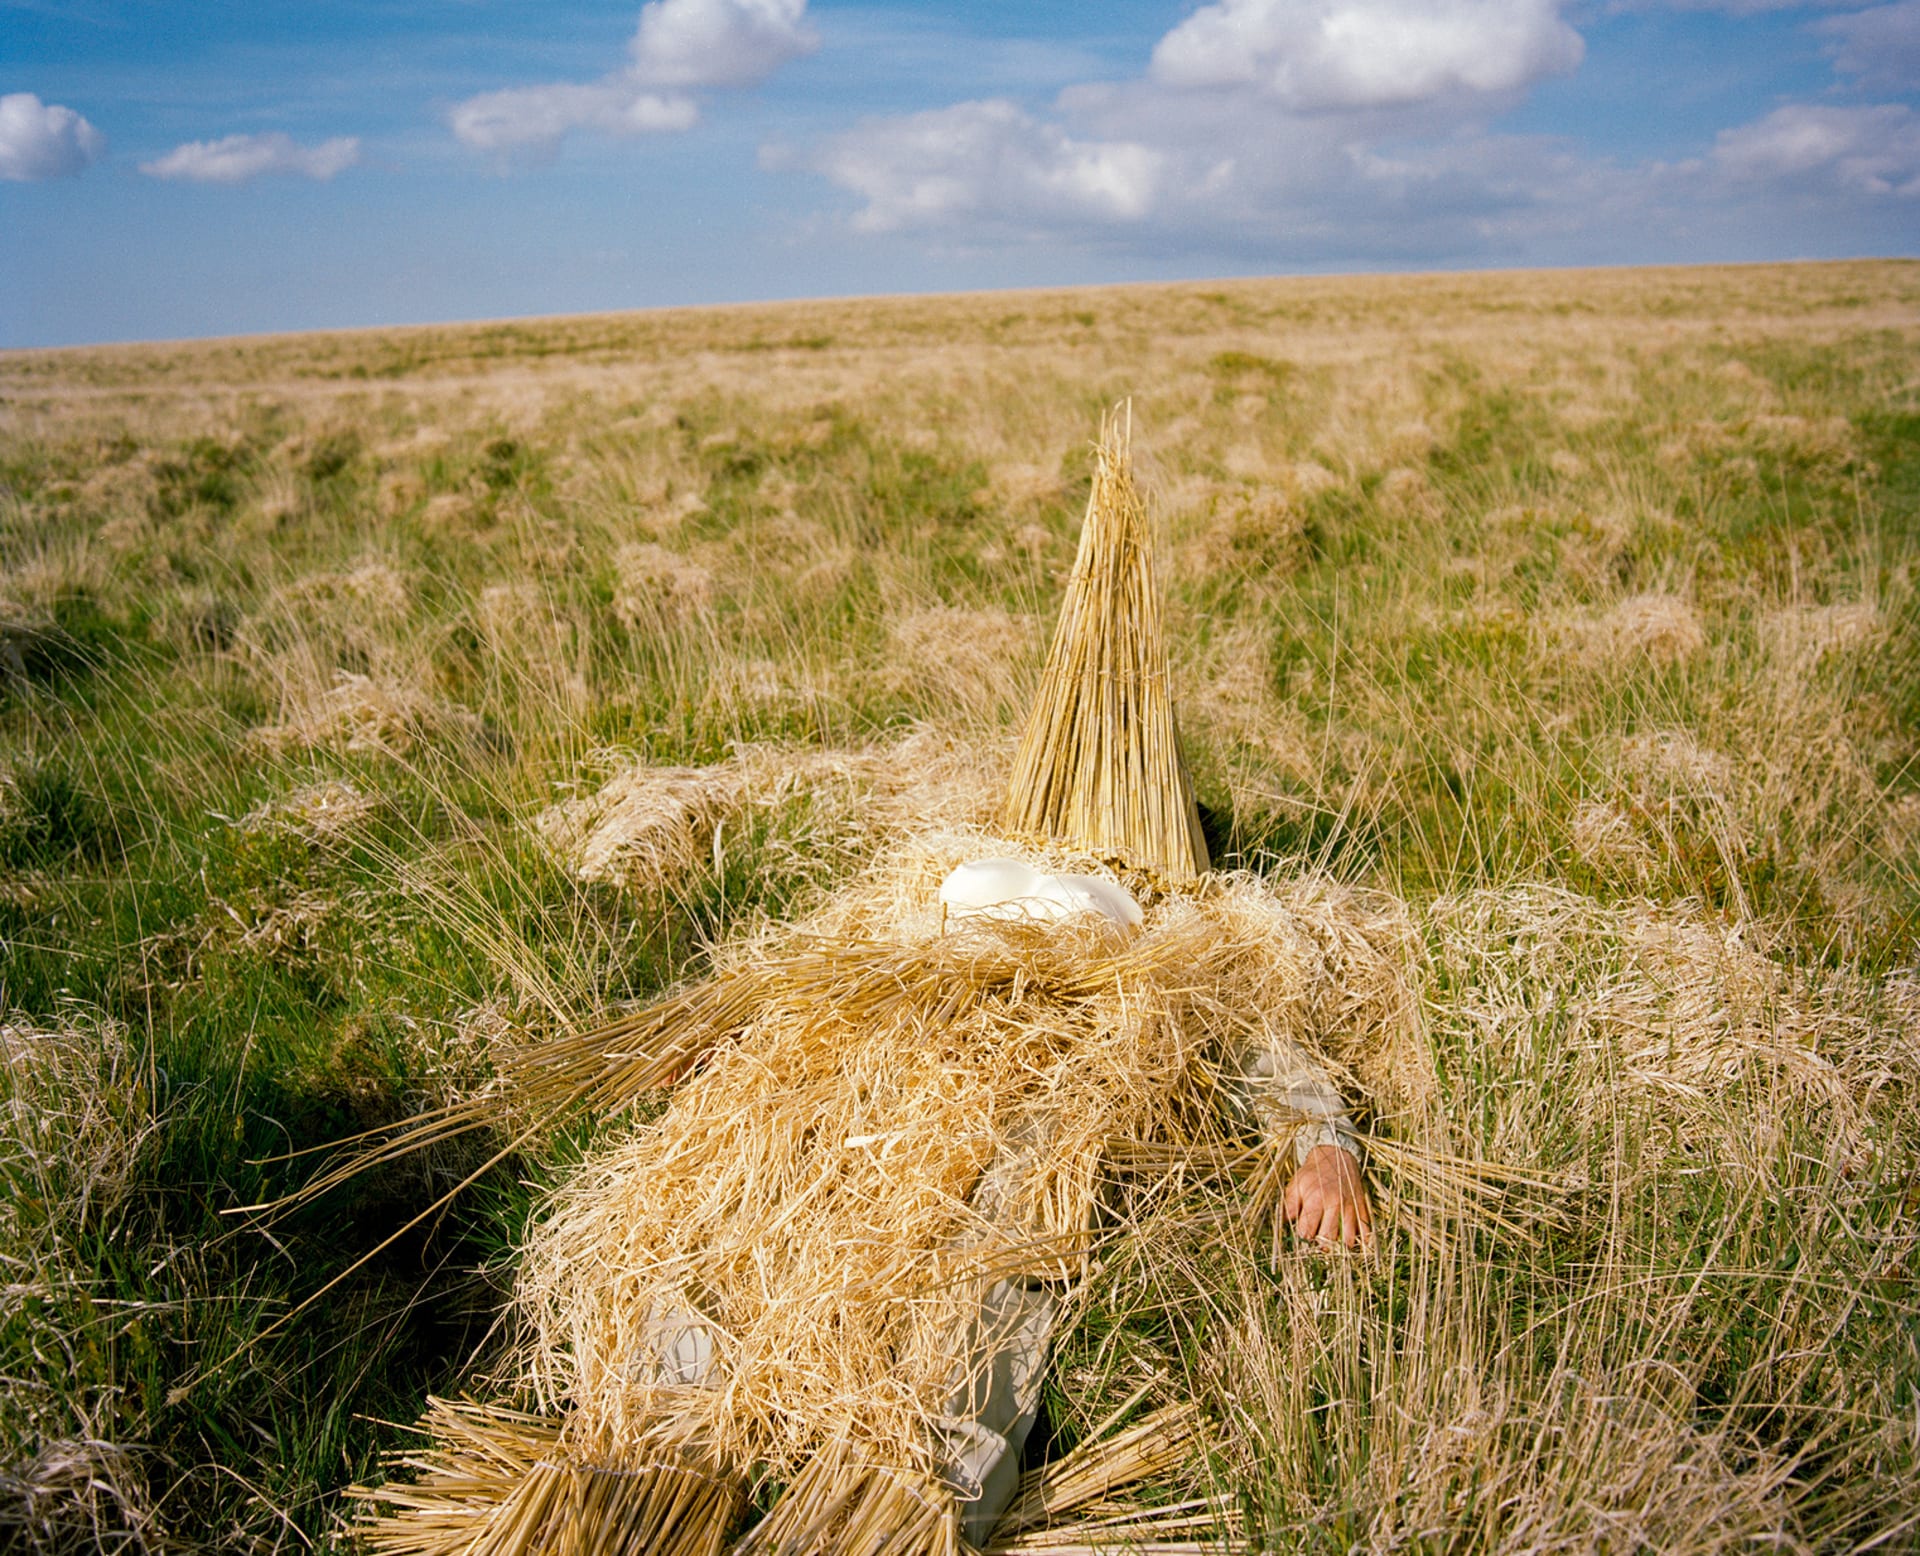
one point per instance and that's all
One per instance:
(1252, 123)
(681, 47)
(988, 161)
(538, 118)
(1259, 127)
(234, 159)
(1725, 7)
(1880, 46)
(44, 140)
(1346, 54)
(1342, 132)
(1221, 174)
(708, 43)
(1872, 150)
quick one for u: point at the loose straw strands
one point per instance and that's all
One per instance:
(500, 1482)
(1152, 1446)
(808, 1212)
(1099, 763)
(1137, 1531)
(609, 1069)
(1521, 1205)
(1086, 1481)
(841, 1502)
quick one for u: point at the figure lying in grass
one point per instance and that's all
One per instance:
(827, 1276)
(835, 1261)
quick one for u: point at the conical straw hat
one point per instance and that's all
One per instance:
(1099, 764)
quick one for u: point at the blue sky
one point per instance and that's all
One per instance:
(195, 169)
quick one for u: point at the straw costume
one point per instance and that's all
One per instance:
(830, 1269)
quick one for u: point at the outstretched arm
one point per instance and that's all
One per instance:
(1298, 1107)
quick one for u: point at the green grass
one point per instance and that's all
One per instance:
(1560, 608)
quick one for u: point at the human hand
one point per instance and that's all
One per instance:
(1327, 1200)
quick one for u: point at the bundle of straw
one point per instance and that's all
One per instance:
(781, 1272)
(772, 1281)
(496, 1482)
(1099, 764)
(499, 1482)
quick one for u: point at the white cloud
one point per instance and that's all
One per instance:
(1267, 135)
(43, 140)
(536, 119)
(709, 43)
(988, 161)
(680, 47)
(1225, 180)
(1348, 54)
(234, 159)
(1873, 150)
(1251, 127)
(1880, 46)
(1727, 7)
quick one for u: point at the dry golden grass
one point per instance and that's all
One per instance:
(375, 707)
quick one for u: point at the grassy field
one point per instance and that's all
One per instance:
(1575, 616)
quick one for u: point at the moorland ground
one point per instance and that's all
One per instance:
(1573, 614)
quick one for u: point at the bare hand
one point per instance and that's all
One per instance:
(1327, 1200)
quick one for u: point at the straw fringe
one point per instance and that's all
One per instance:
(1155, 1445)
(1099, 763)
(842, 1502)
(499, 1482)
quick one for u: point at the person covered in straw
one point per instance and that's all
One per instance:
(1274, 1080)
(822, 1283)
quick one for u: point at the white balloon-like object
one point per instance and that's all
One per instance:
(1008, 889)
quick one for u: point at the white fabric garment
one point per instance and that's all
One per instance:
(1010, 889)
(1289, 1094)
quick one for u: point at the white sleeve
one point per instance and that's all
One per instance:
(1291, 1099)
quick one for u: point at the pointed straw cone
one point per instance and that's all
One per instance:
(1099, 764)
